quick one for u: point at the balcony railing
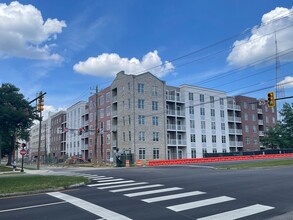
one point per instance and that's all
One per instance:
(234, 107)
(171, 126)
(259, 111)
(260, 122)
(114, 98)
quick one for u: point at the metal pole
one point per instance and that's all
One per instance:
(39, 147)
(21, 163)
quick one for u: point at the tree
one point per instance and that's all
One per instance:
(281, 136)
(16, 117)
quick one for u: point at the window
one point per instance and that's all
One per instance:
(108, 125)
(101, 100)
(190, 95)
(214, 139)
(193, 153)
(204, 150)
(255, 140)
(253, 117)
(223, 139)
(202, 111)
(247, 141)
(154, 105)
(123, 136)
(191, 110)
(213, 125)
(221, 101)
(214, 150)
(192, 138)
(123, 119)
(102, 113)
(108, 97)
(141, 152)
(155, 91)
(156, 153)
(108, 109)
(141, 136)
(212, 99)
(155, 120)
(129, 103)
(203, 138)
(246, 128)
(108, 138)
(140, 88)
(201, 98)
(141, 119)
(252, 106)
(192, 125)
(224, 150)
(128, 85)
(129, 120)
(245, 105)
(254, 128)
(223, 126)
(267, 119)
(213, 112)
(203, 124)
(141, 103)
(274, 120)
(155, 136)
(129, 135)
(222, 113)
(246, 117)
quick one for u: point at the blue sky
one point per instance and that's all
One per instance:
(66, 47)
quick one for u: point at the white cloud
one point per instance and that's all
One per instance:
(24, 33)
(51, 110)
(287, 82)
(109, 65)
(261, 44)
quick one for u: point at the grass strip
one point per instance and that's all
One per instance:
(269, 163)
(5, 168)
(17, 184)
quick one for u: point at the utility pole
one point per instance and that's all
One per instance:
(95, 158)
(39, 146)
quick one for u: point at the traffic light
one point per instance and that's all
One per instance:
(80, 131)
(23, 145)
(271, 100)
(41, 103)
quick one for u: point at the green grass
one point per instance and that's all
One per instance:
(17, 184)
(5, 168)
(269, 163)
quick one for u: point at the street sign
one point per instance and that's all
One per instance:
(23, 152)
(262, 102)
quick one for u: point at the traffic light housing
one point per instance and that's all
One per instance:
(80, 131)
(23, 145)
(41, 103)
(271, 100)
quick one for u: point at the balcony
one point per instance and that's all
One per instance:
(236, 143)
(174, 98)
(237, 119)
(172, 142)
(260, 122)
(234, 107)
(181, 127)
(259, 111)
(171, 126)
(180, 113)
(230, 118)
(171, 112)
(114, 113)
(261, 133)
(114, 127)
(239, 131)
(114, 143)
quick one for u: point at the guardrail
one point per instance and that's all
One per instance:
(215, 159)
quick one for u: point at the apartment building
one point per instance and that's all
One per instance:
(74, 122)
(138, 115)
(58, 136)
(206, 121)
(248, 120)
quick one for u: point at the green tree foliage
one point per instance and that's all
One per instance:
(16, 117)
(281, 136)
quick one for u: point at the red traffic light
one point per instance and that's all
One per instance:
(80, 131)
(23, 145)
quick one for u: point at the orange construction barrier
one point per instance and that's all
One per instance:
(138, 163)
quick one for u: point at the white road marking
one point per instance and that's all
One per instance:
(112, 183)
(152, 192)
(134, 188)
(31, 207)
(174, 196)
(90, 207)
(122, 185)
(201, 203)
(112, 180)
(239, 213)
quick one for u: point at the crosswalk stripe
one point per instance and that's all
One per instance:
(152, 192)
(174, 196)
(90, 207)
(201, 203)
(112, 183)
(239, 213)
(135, 188)
(123, 185)
(111, 180)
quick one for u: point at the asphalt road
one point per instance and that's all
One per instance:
(177, 192)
